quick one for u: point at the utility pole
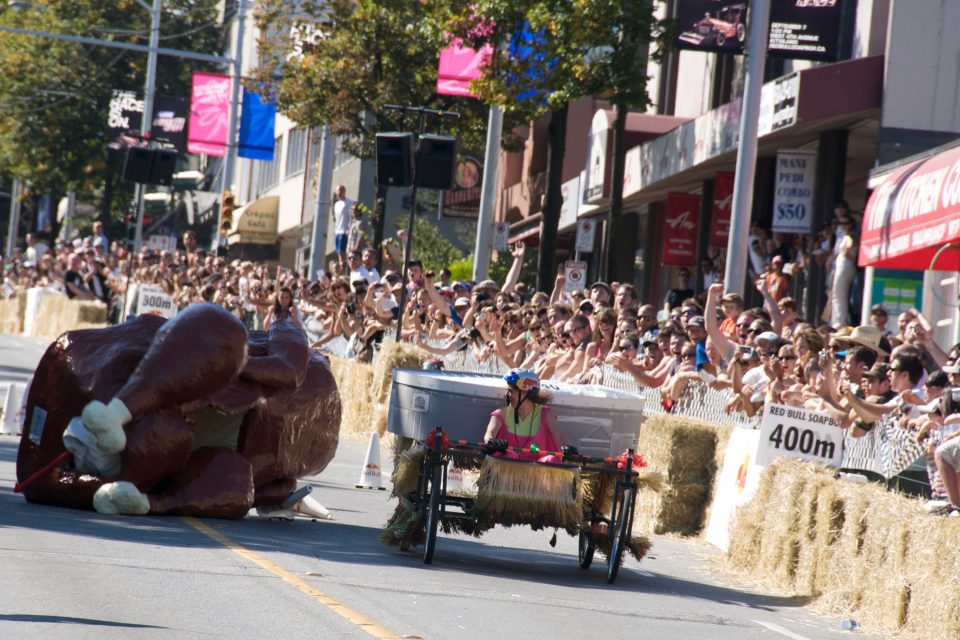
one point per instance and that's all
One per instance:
(737, 243)
(230, 159)
(149, 95)
(13, 224)
(488, 195)
(321, 212)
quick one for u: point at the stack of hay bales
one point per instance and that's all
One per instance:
(861, 550)
(365, 388)
(58, 314)
(11, 313)
(684, 450)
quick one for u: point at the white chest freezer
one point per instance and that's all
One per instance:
(599, 421)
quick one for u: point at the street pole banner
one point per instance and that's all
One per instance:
(680, 230)
(799, 434)
(722, 208)
(586, 234)
(793, 194)
(575, 272)
(257, 125)
(459, 65)
(209, 114)
(169, 118)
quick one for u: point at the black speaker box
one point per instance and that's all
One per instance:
(136, 168)
(436, 161)
(164, 164)
(394, 159)
(150, 166)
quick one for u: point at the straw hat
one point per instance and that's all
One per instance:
(866, 336)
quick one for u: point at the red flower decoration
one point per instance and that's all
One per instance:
(432, 440)
(638, 461)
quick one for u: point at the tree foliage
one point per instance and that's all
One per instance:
(54, 95)
(366, 54)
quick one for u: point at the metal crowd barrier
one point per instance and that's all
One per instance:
(886, 451)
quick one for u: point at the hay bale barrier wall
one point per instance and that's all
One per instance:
(863, 552)
(365, 388)
(56, 314)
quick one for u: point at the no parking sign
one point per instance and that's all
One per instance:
(576, 275)
(586, 232)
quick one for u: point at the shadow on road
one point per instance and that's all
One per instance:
(27, 617)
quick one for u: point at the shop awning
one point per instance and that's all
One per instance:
(913, 215)
(256, 222)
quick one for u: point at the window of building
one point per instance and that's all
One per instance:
(267, 174)
(296, 151)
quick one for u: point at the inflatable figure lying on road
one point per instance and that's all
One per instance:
(189, 416)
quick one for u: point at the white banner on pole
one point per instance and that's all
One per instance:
(793, 192)
(800, 434)
(576, 275)
(501, 236)
(586, 231)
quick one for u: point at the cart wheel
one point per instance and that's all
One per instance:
(620, 530)
(433, 513)
(585, 551)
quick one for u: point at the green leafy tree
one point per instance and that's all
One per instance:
(620, 37)
(549, 52)
(54, 95)
(359, 56)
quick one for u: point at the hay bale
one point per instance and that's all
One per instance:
(58, 314)
(675, 509)
(723, 438)
(870, 554)
(394, 355)
(932, 567)
(681, 448)
(684, 450)
(357, 422)
(11, 313)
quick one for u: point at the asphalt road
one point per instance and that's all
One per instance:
(77, 574)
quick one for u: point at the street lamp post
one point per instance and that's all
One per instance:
(149, 91)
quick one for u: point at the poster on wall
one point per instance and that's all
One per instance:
(680, 230)
(800, 29)
(709, 25)
(722, 207)
(463, 200)
(793, 190)
(805, 29)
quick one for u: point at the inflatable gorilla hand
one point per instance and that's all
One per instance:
(188, 416)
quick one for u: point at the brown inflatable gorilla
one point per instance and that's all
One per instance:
(188, 416)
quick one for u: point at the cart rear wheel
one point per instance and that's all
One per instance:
(433, 512)
(620, 529)
(585, 551)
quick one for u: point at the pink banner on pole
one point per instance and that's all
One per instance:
(209, 114)
(458, 66)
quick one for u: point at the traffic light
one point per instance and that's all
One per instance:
(226, 212)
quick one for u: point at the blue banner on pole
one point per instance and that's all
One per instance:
(257, 123)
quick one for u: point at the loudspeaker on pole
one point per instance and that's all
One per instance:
(395, 159)
(436, 161)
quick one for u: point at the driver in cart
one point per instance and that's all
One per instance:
(526, 423)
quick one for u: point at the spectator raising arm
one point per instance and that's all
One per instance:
(514, 274)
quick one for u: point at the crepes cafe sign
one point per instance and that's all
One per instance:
(915, 207)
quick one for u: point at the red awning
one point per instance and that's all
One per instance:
(912, 214)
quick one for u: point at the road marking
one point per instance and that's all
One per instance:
(782, 631)
(365, 623)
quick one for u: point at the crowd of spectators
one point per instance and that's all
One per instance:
(888, 371)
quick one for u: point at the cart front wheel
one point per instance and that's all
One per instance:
(433, 513)
(620, 530)
(585, 551)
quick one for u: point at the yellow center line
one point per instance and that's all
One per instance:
(365, 623)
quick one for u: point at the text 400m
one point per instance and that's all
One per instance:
(803, 440)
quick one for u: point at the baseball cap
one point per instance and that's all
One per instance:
(488, 284)
(698, 321)
(601, 285)
(461, 302)
(767, 336)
